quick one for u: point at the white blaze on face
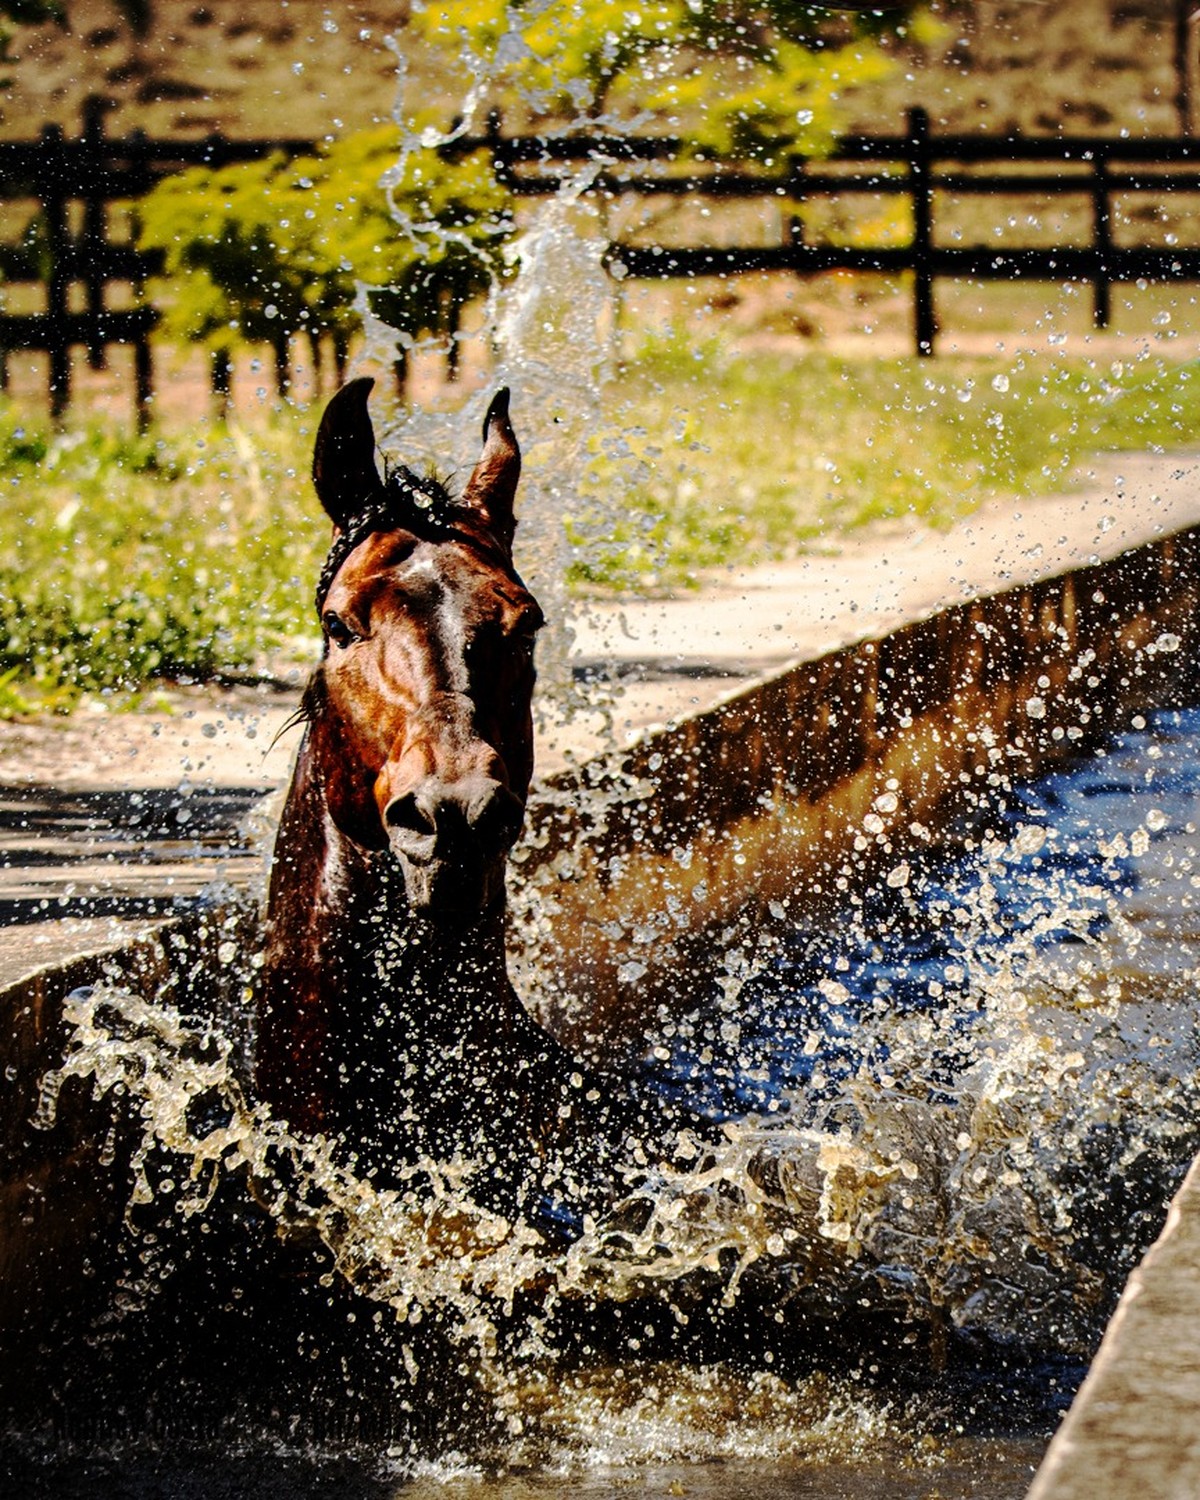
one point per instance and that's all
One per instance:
(450, 639)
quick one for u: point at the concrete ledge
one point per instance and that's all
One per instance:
(63, 1189)
(1132, 1432)
(820, 778)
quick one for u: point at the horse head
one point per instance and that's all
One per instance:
(420, 711)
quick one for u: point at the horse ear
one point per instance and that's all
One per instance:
(492, 487)
(344, 472)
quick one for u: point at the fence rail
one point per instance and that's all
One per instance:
(924, 168)
(78, 258)
(96, 171)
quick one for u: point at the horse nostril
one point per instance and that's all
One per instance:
(464, 819)
(412, 826)
(408, 815)
(495, 815)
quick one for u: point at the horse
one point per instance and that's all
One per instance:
(385, 1013)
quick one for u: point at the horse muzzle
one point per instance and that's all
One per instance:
(451, 840)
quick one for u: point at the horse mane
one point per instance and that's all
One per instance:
(420, 503)
(429, 493)
(307, 710)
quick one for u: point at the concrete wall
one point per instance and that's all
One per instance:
(639, 869)
(63, 1189)
(1131, 1433)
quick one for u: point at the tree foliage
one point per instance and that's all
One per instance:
(255, 252)
(737, 77)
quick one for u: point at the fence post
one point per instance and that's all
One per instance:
(143, 355)
(95, 226)
(494, 136)
(281, 348)
(793, 223)
(1101, 240)
(221, 369)
(143, 380)
(54, 206)
(919, 162)
(4, 345)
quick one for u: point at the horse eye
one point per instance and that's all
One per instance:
(337, 630)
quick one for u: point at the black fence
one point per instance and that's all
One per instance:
(73, 186)
(71, 250)
(930, 171)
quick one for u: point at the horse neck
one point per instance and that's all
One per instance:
(408, 1041)
(341, 939)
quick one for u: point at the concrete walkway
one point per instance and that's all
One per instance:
(112, 822)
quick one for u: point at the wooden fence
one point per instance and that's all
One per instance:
(73, 184)
(929, 171)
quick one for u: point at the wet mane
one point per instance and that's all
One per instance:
(406, 500)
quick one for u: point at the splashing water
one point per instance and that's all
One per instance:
(547, 329)
(547, 332)
(956, 1115)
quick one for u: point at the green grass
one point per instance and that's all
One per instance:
(754, 458)
(126, 560)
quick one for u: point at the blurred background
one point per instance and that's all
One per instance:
(761, 277)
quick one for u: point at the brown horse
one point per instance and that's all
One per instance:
(386, 1016)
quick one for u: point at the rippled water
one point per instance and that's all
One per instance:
(946, 1129)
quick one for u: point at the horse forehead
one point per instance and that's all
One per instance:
(398, 564)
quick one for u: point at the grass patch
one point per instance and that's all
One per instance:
(124, 560)
(752, 458)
